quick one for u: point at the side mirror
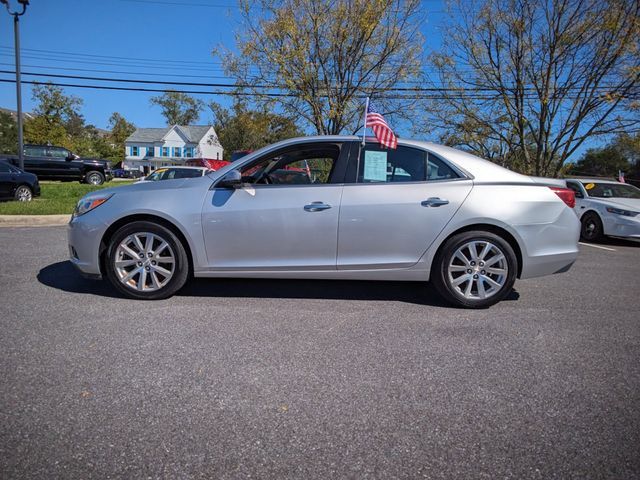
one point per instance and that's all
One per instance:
(70, 157)
(232, 179)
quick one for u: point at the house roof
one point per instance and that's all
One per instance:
(193, 133)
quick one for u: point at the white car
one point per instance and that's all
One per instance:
(606, 207)
(170, 173)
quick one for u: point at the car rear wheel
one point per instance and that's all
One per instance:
(591, 229)
(94, 178)
(475, 269)
(23, 194)
(146, 261)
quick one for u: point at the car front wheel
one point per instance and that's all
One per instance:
(146, 261)
(591, 228)
(23, 194)
(475, 269)
(94, 178)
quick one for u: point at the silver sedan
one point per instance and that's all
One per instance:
(330, 208)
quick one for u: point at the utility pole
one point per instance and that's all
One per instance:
(16, 34)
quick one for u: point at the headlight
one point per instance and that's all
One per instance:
(619, 211)
(86, 204)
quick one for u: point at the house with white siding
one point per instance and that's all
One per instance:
(147, 149)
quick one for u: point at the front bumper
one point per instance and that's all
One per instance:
(621, 226)
(84, 234)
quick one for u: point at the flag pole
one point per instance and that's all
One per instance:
(364, 123)
(364, 133)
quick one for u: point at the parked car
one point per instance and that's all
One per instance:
(171, 173)
(419, 212)
(57, 163)
(17, 184)
(606, 207)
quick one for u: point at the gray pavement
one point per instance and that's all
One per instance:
(313, 379)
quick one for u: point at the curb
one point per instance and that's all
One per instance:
(34, 220)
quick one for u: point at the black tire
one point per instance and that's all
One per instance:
(443, 280)
(23, 193)
(94, 178)
(591, 229)
(181, 262)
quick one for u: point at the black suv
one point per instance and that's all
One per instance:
(57, 163)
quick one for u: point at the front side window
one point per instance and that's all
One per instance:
(58, 153)
(303, 165)
(404, 164)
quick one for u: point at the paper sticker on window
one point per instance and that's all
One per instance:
(375, 166)
(589, 186)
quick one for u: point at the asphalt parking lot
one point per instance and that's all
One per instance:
(312, 379)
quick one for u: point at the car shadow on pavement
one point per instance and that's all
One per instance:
(617, 242)
(63, 276)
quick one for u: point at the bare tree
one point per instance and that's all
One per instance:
(538, 77)
(324, 56)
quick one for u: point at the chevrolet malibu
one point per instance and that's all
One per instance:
(331, 208)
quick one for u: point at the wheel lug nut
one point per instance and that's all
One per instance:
(149, 254)
(473, 264)
(482, 264)
(153, 263)
(475, 276)
(483, 272)
(139, 264)
(469, 271)
(142, 255)
(147, 268)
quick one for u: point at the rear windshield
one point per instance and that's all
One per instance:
(611, 190)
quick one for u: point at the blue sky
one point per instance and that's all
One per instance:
(172, 38)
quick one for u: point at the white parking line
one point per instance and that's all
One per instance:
(598, 246)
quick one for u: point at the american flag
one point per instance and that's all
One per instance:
(383, 132)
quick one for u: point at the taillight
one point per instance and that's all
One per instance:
(567, 195)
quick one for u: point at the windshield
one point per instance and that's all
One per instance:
(611, 190)
(171, 173)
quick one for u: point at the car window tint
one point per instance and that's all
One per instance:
(438, 170)
(611, 190)
(305, 165)
(58, 153)
(4, 168)
(34, 151)
(575, 188)
(188, 173)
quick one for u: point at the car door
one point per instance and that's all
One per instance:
(35, 160)
(285, 216)
(394, 205)
(581, 203)
(7, 179)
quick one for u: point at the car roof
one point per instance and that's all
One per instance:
(594, 180)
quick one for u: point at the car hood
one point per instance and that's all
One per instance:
(624, 203)
(164, 185)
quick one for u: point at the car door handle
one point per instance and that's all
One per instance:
(434, 202)
(316, 207)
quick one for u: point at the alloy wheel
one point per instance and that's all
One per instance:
(477, 270)
(23, 194)
(144, 261)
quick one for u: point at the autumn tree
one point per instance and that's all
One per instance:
(241, 128)
(324, 56)
(178, 108)
(534, 79)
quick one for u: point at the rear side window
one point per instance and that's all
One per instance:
(404, 164)
(33, 151)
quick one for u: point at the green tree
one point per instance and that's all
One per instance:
(178, 108)
(325, 55)
(8, 134)
(621, 154)
(541, 77)
(55, 114)
(120, 130)
(240, 128)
